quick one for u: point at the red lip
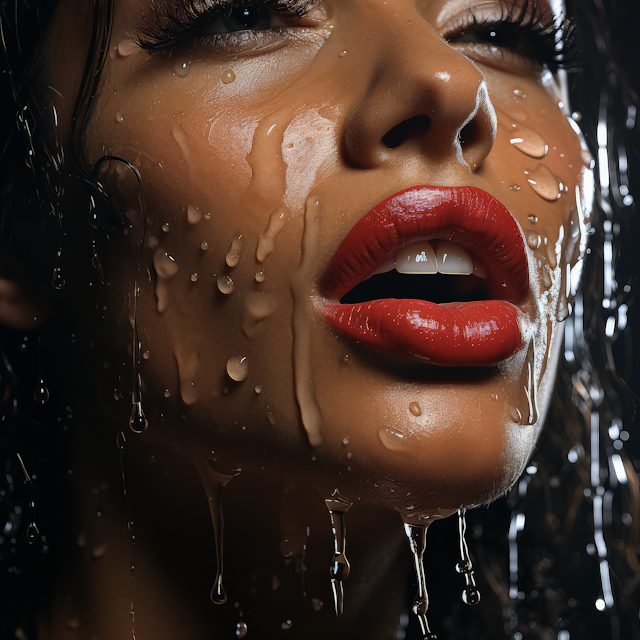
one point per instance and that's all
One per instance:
(480, 333)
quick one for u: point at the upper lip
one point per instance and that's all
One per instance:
(466, 215)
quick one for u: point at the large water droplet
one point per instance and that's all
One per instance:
(528, 141)
(415, 409)
(31, 533)
(41, 393)
(228, 76)
(544, 183)
(127, 47)
(181, 68)
(238, 368)
(286, 625)
(260, 276)
(218, 594)
(57, 281)
(226, 285)
(138, 421)
(392, 439)
(533, 239)
(241, 629)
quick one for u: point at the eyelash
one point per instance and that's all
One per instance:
(540, 31)
(185, 20)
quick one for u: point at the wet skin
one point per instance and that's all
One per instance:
(285, 137)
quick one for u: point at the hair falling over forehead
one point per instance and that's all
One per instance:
(525, 545)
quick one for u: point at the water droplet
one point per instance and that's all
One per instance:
(587, 159)
(271, 418)
(181, 68)
(145, 355)
(241, 629)
(41, 393)
(121, 440)
(494, 396)
(258, 389)
(576, 116)
(238, 368)
(138, 421)
(100, 550)
(31, 534)
(342, 54)
(194, 214)
(532, 219)
(338, 506)
(392, 439)
(316, 604)
(345, 360)
(218, 594)
(260, 276)
(126, 47)
(225, 284)
(471, 596)
(165, 227)
(167, 393)
(204, 246)
(515, 187)
(415, 408)
(544, 183)
(57, 281)
(228, 76)
(528, 141)
(546, 279)
(286, 625)
(533, 239)
(194, 277)
(349, 455)
(267, 239)
(119, 116)
(520, 94)
(516, 416)
(552, 258)
(345, 440)
(235, 252)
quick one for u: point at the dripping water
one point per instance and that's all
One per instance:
(417, 536)
(338, 506)
(470, 594)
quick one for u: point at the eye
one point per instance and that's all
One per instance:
(245, 19)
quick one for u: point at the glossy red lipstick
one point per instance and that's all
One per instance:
(480, 333)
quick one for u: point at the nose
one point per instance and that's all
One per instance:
(420, 96)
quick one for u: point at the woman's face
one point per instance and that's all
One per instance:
(275, 162)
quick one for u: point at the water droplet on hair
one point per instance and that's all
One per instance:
(235, 252)
(415, 408)
(241, 629)
(532, 219)
(194, 214)
(57, 281)
(181, 68)
(260, 276)
(544, 183)
(225, 285)
(31, 534)
(533, 239)
(238, 368)
(346, 440)
(528, 141)
(41, 393)
(228, 76)
(194, 277)
(286, 625)
(138, 421)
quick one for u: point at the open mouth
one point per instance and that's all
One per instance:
(432, 273)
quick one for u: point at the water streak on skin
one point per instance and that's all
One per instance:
(258, 307)
(235, 252)
(304, 386)
(188, 363)
(267, 240)
(166, 268)
(338, 506)
(181, 138)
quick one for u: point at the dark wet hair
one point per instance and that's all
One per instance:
(560, 547)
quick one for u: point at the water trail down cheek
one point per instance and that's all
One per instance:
(312, 419)
(267, 240)
(417, 536)
(338, 506)
(214, 483)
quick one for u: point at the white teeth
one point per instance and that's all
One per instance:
(454, 259)
(388, 265)
(418, 257)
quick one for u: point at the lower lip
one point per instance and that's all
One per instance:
(458, 334)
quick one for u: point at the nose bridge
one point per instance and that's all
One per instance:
(420, 87)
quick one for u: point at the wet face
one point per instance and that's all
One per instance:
(283, 161)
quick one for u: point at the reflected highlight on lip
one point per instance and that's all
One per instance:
(478, 333)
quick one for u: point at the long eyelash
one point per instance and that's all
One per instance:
(172, 23)
(552, 42)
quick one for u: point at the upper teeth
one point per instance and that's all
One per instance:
(419, 257)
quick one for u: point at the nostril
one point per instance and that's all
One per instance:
(415, 126)
(469, 135)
